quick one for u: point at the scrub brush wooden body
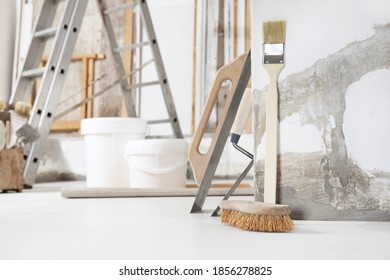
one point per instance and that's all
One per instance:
(254, 215)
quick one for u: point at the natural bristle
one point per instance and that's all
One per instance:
(255, 222)
(274, 32)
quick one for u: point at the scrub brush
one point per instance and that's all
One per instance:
(254, 215)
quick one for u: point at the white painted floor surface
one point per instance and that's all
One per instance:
(40, 224)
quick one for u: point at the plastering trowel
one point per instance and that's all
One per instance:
(204, 165)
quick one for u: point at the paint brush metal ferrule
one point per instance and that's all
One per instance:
(273, 53)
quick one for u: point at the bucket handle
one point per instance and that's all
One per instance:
(155, 170)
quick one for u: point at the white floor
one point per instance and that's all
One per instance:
(40, 224)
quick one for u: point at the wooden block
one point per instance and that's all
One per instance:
(11, 169)
(220, 185)
(82, 192)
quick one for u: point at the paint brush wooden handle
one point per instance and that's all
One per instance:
(243, 113)
(271, 133)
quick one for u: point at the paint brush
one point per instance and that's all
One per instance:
(274, 36)
(254, 215)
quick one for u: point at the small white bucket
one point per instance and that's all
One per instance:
(157, 163)
(105, 140)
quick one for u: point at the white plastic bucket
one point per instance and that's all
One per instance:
(105, 140)
(157, 163)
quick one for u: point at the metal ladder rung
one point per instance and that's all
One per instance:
(151, 41)
(120, 8)
(33, 73)
(159, 121)
(143, 85)
(130, 47)
(45, 33)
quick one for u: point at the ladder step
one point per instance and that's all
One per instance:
(143, 85)
(120, 8)
(159, 121)
(33, 73)
(130, 47)
(45, 33)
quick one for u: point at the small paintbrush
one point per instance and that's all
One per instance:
(274, 36)
(267, 215)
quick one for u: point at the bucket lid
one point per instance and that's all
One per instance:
(113, 125)
(156, 146)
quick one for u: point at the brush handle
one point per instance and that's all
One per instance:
(271, 133)
(243, 113)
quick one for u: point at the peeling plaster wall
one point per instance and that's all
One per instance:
(324, 154)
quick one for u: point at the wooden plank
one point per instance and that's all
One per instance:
(194, 69)
(84, 84)
(128, 37)
(65, 126)
(80, 57)
(248, 127)
(220, 185)
(77, 192)
(90, 88)
(247, 26)
(235, 47)
(128, 40)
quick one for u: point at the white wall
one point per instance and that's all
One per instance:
(173, 22)
(7, 31)
(366, 121)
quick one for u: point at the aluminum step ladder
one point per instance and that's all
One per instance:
(152, 42)
(52, 77)
(63, 39)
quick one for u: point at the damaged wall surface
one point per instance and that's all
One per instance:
(334, 163)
